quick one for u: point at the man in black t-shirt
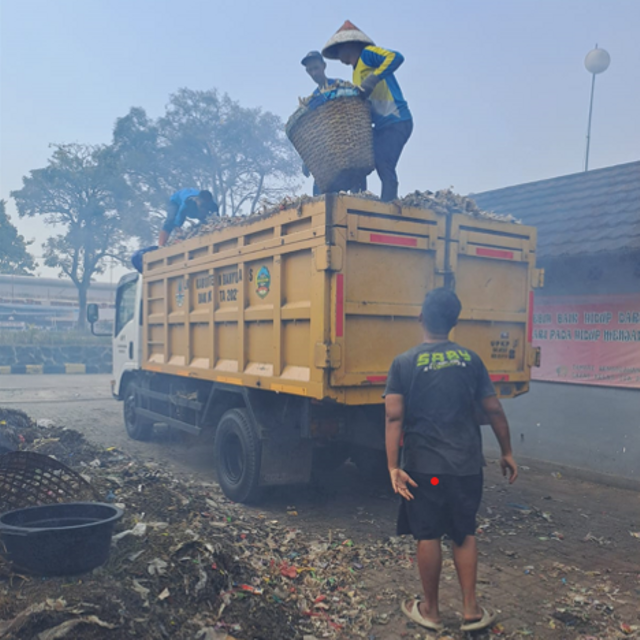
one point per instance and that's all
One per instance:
(433, 395)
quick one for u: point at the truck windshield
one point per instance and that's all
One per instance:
(125, 305)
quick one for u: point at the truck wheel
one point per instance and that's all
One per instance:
(237, 453)
(138, 428)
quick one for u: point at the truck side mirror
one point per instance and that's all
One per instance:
(93, 313)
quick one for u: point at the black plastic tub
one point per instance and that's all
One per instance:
(59, 539)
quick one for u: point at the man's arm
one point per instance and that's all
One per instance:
(394, 413)
(169, 224)
(492, 408)
(384, 61)
(394, 410)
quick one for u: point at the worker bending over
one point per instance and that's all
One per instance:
(183, 204)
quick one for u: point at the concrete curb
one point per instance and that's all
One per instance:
(37, 369)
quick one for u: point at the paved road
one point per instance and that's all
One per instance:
(84, 403)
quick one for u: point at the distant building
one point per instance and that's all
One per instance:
(48, 303)
(587, 316)
(586, 319)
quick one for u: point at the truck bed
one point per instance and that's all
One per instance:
(317, 300)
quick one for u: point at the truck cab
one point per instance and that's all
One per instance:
(127, 330)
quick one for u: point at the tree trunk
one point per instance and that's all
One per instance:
(256, 199)
(83, 290)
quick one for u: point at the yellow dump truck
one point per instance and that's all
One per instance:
(278, 333)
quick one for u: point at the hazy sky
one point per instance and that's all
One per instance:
(498, 88)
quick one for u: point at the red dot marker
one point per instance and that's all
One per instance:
(435, 481)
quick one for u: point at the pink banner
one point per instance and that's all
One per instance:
(588, 339)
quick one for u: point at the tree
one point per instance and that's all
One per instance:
(78, 190)
(14, 257)
(204, 141)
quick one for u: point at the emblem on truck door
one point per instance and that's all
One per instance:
(263, 280)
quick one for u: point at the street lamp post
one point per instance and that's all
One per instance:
(597, 61)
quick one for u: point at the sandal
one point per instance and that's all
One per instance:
(488, 618)
(413, 613)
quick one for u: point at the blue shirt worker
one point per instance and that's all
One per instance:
(316, 67)
(373, 72)
(432, 401)
(187, 203)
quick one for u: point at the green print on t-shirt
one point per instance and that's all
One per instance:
(439, 359)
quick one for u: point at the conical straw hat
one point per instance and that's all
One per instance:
(348, 32)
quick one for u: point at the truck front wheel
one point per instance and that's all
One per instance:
(138, 428)
(237, 453)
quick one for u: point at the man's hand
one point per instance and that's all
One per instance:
(369, 84)
(399, 481)
(498, 420)
(508, 463)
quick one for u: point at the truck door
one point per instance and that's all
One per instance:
(126, 341)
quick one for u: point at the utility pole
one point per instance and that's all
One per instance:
(597, 61)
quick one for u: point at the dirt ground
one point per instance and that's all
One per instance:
(559, 557)
(566, 566)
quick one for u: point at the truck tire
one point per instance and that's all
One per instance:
(137, 427)
(237, 456)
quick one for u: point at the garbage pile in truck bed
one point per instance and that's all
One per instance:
(185, 563)
(335, 87)
(444, 202)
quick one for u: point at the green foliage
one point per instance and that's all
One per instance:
(78, 190)
(15, 259)
(102, 197)
(204, 141)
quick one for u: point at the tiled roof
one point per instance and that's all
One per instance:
(580, 214)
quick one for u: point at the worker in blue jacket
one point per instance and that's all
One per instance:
(373, 72)
(316, 67)
(183, 204)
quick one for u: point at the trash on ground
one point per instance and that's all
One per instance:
(220, 571)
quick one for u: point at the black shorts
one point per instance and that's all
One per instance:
(450, 507)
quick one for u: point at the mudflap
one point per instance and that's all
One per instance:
(286, 462)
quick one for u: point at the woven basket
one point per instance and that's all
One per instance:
(28, 479)
(335, 141)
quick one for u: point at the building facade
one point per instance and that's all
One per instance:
(582, 408)
(48, 303)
